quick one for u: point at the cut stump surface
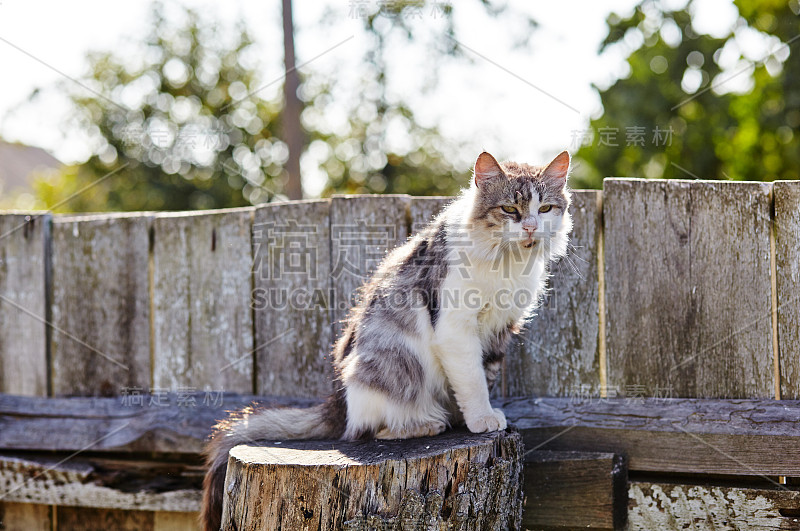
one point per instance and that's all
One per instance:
(457, 480)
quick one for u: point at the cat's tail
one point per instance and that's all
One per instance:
(247, 426)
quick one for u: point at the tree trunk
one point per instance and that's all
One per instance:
(292, 129)
(454, 481)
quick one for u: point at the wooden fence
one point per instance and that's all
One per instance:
(646, 385)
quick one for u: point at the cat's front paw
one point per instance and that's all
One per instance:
(492, 421)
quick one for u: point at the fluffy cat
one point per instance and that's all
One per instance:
(425, 342)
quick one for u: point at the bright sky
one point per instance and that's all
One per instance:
(525, 104)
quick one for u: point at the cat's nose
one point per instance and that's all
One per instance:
(529, 226)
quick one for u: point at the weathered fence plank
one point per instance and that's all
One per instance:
(90, 519)
(363, 228)
(291, 242)
(202, 283)
(557, 354)
(713, 436)
(694, 436)
(24, 256)
(100, 342)
(98, 482)
(25, 517)
(688, 295)
(574, 490)
(706, 507)
(172, 521)
(787, 259)
(178, 423)
(424, 209)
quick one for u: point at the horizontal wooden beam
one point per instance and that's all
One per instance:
(696, 436)
(98, 482)
(714, 436)
(173, 423)
(675, 506)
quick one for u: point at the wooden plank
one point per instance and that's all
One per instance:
(424, 209)
(24, 255)
(170, 521)
(202, 320)
(178, 423)
(787, 254)
(100, 342)
(557, 354)
(708, 507)
(25, 517)
(712, 436)
(688, 292)
(90, 519)
(96, 482)
(733, 437)
(363, 229)
(291, 243)
(574, 490)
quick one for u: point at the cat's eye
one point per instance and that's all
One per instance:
(509, 209)
(545, 208)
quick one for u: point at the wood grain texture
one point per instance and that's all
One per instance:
(100, 482)
(557, 354)
(571, 490)
(363, 229)
(291, 242)
(100, 342)
(25, 517)
(90, 519)
(787, 260)
(424, 209)
(202, 284)
(175, 423)
(24, 255)
(171, 521)
(453, 481)
(707, 507)
(688, 295)
(694, 436)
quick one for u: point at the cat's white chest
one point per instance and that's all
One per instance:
(507, 298)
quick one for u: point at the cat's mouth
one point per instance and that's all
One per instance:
(529, 243)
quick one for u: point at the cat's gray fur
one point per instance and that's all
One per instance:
(402, 366)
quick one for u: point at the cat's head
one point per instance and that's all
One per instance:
(522, 206)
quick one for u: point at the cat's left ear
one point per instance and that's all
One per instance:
(557, 170)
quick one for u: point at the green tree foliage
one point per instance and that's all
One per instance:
(183, 124)
(672, 116)
(182, 120)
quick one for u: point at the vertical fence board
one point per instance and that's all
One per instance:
(688, 295)
(203, 327)
(363, 228)
(424, 209)
(100, 342)
(787, 251)
(24, 239)
(557, 354)
(25, 517)
(291, 242)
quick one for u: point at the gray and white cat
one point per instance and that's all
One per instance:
(425, 342)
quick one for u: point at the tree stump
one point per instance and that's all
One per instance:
(457, 480)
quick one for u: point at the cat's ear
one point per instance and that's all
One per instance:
(556, 171)
(486, 169)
